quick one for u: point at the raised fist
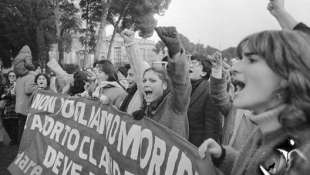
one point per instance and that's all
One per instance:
(169, 36)
(274, 6)
(217, 60)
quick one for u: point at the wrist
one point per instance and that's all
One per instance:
(278, 13)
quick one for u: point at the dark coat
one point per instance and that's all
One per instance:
(202, 123)
(261, 151)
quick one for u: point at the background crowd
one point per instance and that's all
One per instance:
(244, 115)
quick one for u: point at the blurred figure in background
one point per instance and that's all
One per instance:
(43, 81)
(10, 118)
(25, 85)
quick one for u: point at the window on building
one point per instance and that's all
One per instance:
(117, 55)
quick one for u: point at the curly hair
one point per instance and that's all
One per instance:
(287, 53)
(46, 77)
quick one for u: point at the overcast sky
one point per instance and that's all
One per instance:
(223, 23)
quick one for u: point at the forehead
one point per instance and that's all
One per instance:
(41, 76)
(11, 73)
(195, 62)
(151, 74)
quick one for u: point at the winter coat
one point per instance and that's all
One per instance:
(203, 124)
(236, 125)
(303, 28)
(264, 148)
(172, 110)
(113, 92)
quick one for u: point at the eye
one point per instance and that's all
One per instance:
(252, 60)
(152, 80)
(144, 80)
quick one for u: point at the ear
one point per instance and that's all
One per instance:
(202, 74)
(283, 83)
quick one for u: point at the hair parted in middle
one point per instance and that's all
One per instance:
(287, 53)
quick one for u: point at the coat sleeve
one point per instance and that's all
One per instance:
(30, 85)
(219, 94)
(63, 78)
(138, 64)
(227, 163)
(178, 71)
(213, 121)
(302, 27)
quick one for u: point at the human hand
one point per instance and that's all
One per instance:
(210, 146)
(104, 99)
(275, 6)
(169, 36)
(128, 36)
(216, 60)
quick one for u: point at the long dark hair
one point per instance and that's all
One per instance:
(162, 74)
(107, 67)
(287, 53)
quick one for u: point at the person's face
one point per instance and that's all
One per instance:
(255, 83)
(153, 86)
(196, 70)
(131, 78)
(42, 82)
(90, 86)
(100, 75)
(12, 77)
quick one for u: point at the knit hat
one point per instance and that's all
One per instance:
(23, 61)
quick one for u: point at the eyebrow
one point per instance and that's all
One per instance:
(249, 53)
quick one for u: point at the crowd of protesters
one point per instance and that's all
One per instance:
(240, 114)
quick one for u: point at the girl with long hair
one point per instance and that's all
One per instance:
(166, 92)
(274, 83)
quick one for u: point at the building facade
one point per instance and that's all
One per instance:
(118, 52)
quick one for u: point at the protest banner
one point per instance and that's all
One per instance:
(70, 135)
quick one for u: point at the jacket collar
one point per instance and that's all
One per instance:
(268, 121)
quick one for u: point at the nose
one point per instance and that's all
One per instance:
(237, 67)
(146, 83)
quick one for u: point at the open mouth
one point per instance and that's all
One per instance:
(239, 85)
(190, 71)
(148, 93)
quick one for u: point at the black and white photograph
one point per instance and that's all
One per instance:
(154, 87)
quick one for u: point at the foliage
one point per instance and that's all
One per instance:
(70, 23)
(135, 14)
(26, 22)
(230, 52)
(138, 14)
(196, 48)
